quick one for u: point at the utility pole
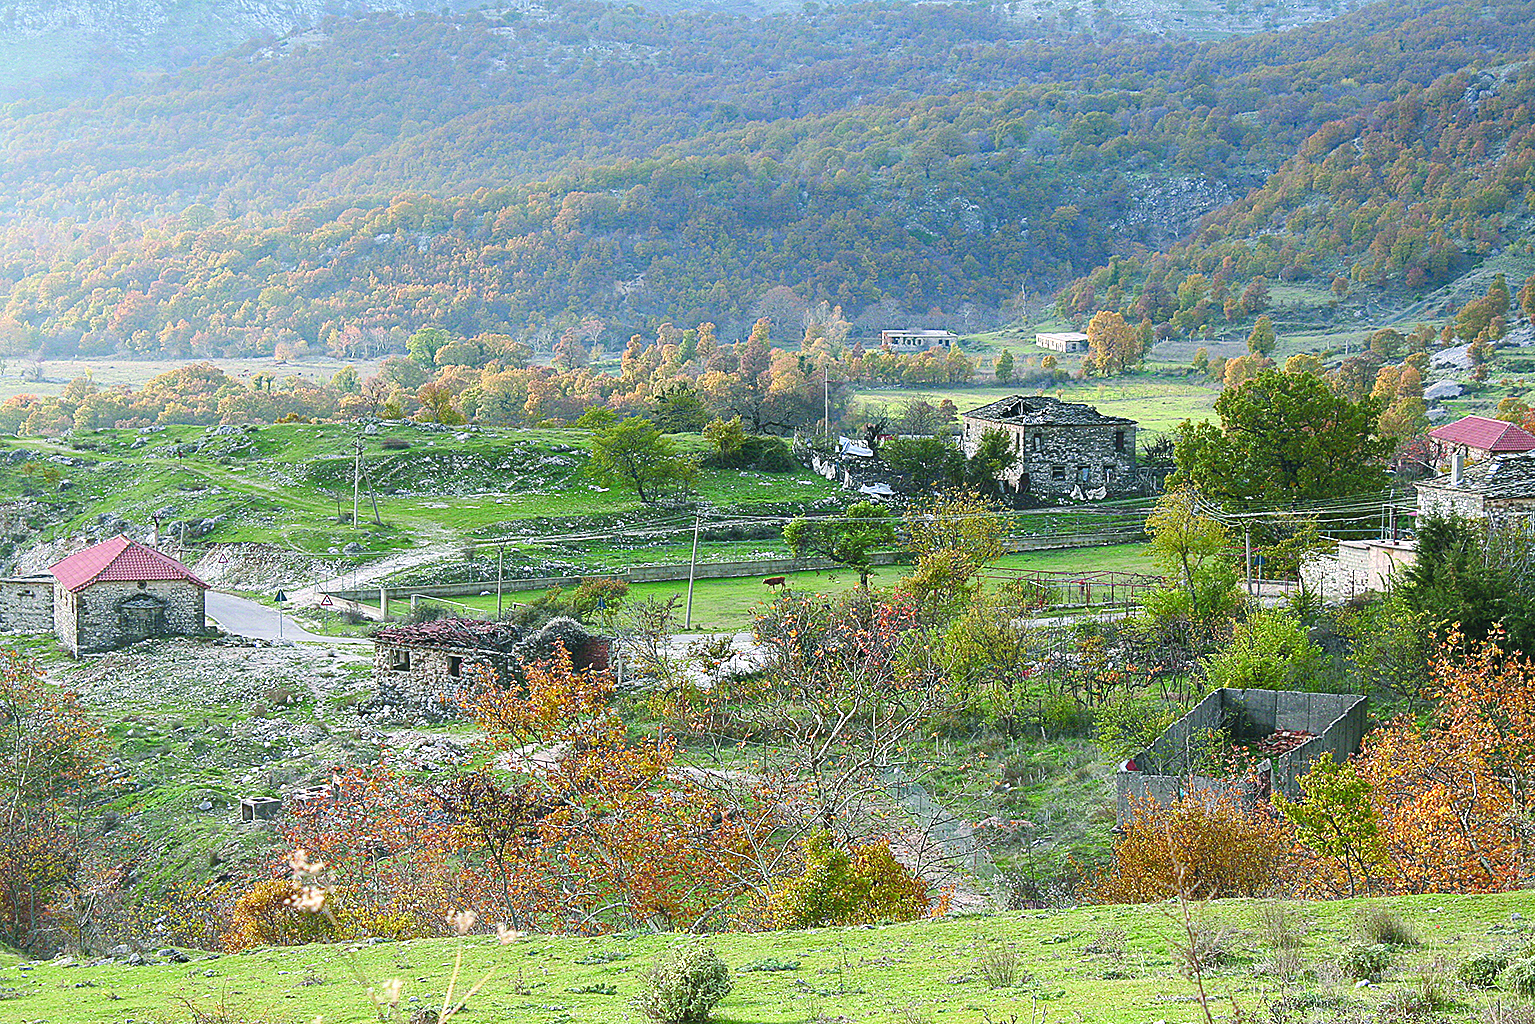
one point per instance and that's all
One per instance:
(1247, 544)
(500, 563)
(826, 395)
(693, 566)
(356, 480)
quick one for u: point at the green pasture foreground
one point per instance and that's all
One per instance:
(931, 970)
(727, 604)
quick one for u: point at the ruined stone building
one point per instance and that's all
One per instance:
(424, 668)
(1064, 448)
(1496, 488)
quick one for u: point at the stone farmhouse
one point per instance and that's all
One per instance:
(1475, 438)
(1064, 448)
(426, 666)
(915, 341)
(1496, 488)
(114, 593)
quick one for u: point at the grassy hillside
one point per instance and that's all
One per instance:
(1117, 965)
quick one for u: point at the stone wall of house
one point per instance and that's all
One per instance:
(26, 605)
(104, 615)
(1444, 501)
(429, 682)
(1058, 458)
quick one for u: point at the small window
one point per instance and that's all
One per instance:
(1108, 474)
(143, 585)
(455, 666)
(399, 661)
(1084, 474)
(1119, 440)
(1039, 442)
(1058, 474)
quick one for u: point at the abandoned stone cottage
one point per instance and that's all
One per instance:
(114, 593)
(423, 668)
(1064, 448)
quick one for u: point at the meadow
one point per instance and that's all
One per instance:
(1109, 964)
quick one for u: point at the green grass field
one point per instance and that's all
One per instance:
(726, 605)
(1117, 965)
(1155, 404)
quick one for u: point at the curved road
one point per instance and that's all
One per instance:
(259, 622)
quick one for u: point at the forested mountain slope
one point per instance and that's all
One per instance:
(487, 172)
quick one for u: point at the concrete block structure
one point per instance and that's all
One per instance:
(1174, 766)
(1062, 341)
(1064, 448)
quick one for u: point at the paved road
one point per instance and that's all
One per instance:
(247, 618)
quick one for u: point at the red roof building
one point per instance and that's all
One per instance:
(120, 592)
(1478, 435)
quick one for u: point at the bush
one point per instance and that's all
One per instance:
(684, 985)
(1482, 970)
(1280, 925)
(1197, 847)
(1379, 926)
(264, 916)
(1519, 977)
(999, 967)
(1361, 960)
(863, 886)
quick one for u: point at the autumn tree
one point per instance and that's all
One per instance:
(1262, 339)
(51, 765)
(1190, 547)
(1113, 345)
(953, 537)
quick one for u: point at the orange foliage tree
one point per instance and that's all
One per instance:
(610, 832)
(1454, 795)
(51, 764)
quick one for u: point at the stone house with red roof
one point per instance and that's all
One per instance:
(118, 592)
(1475, 438)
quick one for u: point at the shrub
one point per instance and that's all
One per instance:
(1500, 1012)
(264, 916)
(1519, 977)
(1206, 949)
(1130, 723)
(1360, 960)
(684, 985)
(1482, 970)
(840, 887)
(999, 967)
(1280, 925)
(1196, 847)
(1379, 926)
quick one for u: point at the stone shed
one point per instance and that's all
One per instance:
(26, 604)
(119, 592)
(1064, 448)
(1293, 728)
(422, 669)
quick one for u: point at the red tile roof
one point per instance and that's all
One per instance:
(119, 559)
(1486, 435)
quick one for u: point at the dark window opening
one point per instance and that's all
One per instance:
(455, 666)
(399, 661)
(1119, 440)
(1058, 474)
(1084, 474)
(143, 585)
(1039, 441)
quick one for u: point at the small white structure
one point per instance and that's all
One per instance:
(1062, 341)
(916, 341)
